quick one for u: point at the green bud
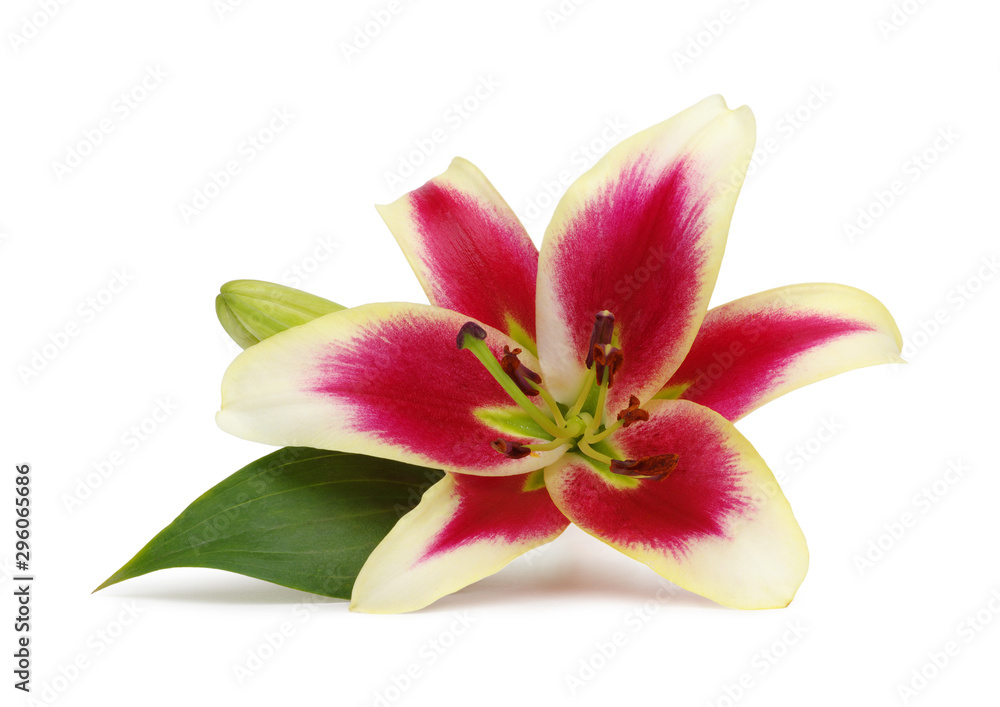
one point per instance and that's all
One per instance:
(252, 310)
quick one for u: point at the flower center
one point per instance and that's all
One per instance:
(581, 424)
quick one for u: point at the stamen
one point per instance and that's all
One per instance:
(548, 446)
(528, 381)
(553, 406)
(606, 356)
(615, 359)
(509, 450)
(518, 372)
(656, 467)
(602, 394)
(582, 399)
(630, 415)
(633, 413)
(593, 453)
(604, 327)
(471, 337)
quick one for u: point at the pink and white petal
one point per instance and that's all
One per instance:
(641, 234)
(382, 379)
(468, 249)
(755, 349)
(717, 525)
(465, 528)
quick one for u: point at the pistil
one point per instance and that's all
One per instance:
(472, 337)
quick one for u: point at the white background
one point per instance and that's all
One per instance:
(881, 91)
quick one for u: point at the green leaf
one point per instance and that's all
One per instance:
(303, 518)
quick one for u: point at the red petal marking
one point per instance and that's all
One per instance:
(482, 262)
(635, 250)
(700, 498)
(739, 356)
(408, 385)
(497, 509)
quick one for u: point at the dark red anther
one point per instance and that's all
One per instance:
(655, 468)
(604, 327)
(512, 451)
(614, 362)
(606, 356)
(522, 376)
(633, 413)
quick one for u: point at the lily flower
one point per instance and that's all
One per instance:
(590, 383)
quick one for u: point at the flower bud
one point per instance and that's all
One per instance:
(252, 310)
